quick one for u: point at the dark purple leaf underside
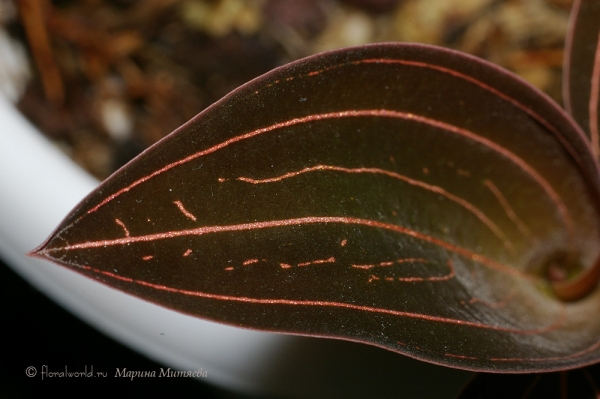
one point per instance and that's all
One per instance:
(582, 68)
(583, 383)
(400, 195)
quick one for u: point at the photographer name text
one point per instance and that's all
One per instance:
(86, 372)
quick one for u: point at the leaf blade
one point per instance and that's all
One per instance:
(375, 194)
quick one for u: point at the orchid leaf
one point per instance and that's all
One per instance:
(581, 81)
(405, 196)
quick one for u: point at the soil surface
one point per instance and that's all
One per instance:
(108, 78)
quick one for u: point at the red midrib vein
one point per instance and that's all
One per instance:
(295, 222)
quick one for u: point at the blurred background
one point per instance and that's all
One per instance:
(104, 79)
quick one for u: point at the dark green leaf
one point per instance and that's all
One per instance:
(582, 68)
(404, 196)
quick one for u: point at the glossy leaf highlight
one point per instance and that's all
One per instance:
(405, 196)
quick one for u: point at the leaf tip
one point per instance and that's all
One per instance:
(39, 253)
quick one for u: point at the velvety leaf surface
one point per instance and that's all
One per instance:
(400, 195)
(581, 80)
(580, 383)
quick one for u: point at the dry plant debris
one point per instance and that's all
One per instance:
(112, 77)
